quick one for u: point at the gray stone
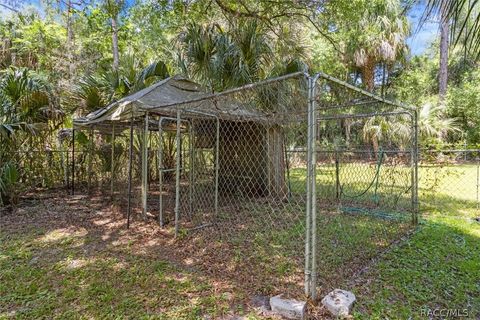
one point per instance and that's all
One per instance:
(288, 308)
(262, 302)
(339, 302)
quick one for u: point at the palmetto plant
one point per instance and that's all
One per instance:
(96, 91)
(28, 109)
(431, 124)
(26, 102)
(223, 59)
(93, 92)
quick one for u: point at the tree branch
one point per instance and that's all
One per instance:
(268, 19)
(9, 8)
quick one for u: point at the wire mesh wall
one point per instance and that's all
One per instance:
(234, 199)
(450, 181)
(289, 184)
(365, 181)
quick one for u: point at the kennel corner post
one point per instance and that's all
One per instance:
(90, 160)
(217, 163)
(313, 181)
(177, 174)
(415, 156)
(160, 173)
(112, 163)
(310, 236)
(191, 168)
(129, 187)
(478, 179)
(73, 161)
(145, 140)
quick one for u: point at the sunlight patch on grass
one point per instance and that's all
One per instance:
(62, 234)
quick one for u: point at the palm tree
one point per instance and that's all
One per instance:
(113, 9)
(222, 59)
(96, 91)
(378, 37)
(465, 21)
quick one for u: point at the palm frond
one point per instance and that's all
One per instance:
(464, 16)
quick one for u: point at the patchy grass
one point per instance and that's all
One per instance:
(71, 257)
(43, 275)
(437, 268)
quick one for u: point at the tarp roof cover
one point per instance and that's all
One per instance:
(167, 92)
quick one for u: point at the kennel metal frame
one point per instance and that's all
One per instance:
(182, 114)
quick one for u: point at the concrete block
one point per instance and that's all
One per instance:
(288, 308)
(339, 302)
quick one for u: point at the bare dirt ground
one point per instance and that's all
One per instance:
(102, 228)
(74, 231)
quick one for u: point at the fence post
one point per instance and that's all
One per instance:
(73, 161)
(478, 181)
(313, 181)
(337, 175)
(112, 163)
(90, 161)
(415, 169)
(145, 168)
(309, 194)
(130, 159)
(217, 162)
(191, 173)
(160, 172)
(177, 175)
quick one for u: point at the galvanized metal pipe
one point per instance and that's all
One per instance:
(478, 182)
(190, 171)
(73, 161)
(89, 164)
(129, 187)
(177, 177)
(217, 165)
(313, 287)
(145, 168)
(160, 173)
(162, 170)
(112, 167)
(363, 115)
(309, 193)
(364, 92)
(415, 185)
(217, 147)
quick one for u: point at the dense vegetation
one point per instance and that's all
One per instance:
(61, 59)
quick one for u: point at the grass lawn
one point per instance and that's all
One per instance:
(66, 257)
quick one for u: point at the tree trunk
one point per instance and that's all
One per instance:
(368, 74)
(376, 146)
(348, 125)
(70, 38)
(384, 77)
(115, 43)
(276, 163)
(443, 68)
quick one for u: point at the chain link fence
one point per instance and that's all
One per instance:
(292, 184)
(449, 181)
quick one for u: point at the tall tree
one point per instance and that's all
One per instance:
(370, 33)
(459, 13)
(443, 67)
(113, 8)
